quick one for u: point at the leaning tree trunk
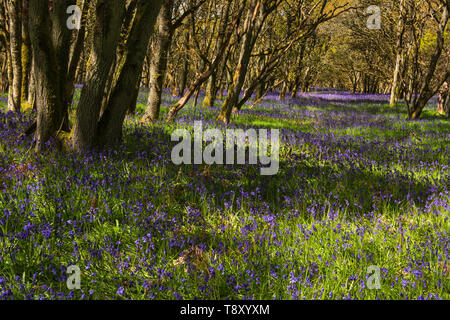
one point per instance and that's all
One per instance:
(239, 77)
(253, 24)
(109, 15)
(111, 122)
(15, 33)
(427, 92)
(221, 47)
(158, 63)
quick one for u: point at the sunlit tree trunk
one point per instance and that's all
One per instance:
(26, 52)
(15, 33)
(398, 58)
(158, 63)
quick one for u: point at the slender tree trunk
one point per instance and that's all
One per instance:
(4, 75)
(447, 108)
(241, 71)
(221, 45)
(398, 58)
(111, 122)
(31, 100)
(74, 62)
(15, 32)
(427, 92)
(183, 80)
(26, 52)
(283, 92)
(211, 91)
(158, 64)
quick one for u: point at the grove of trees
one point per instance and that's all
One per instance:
(237, 48)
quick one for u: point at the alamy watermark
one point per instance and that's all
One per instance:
(237, 140)
(74, 20)
(74, 280)
(374, 21)
(374, 280)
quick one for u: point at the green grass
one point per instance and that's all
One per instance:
(349, 194)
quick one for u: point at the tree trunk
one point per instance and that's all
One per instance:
(15, 33)
(158, 64)
(109, 16)
(398, 58)
(248, 43)
(26, 52)
(183, 80)
(211, 91)
(443, 95)
(48, 93)
(427, 92)
(74, 61)
(111, 122)
(221, 46)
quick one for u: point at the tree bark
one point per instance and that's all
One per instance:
(74, 61)
(398, 57)
(111, 122)
(48, 93)
(26, 52)
(109, 16)
(158, 64)
(15, 33)
(427, 92)
(255, 19)
(221, 48)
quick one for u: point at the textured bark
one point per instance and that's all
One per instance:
(108, 21)
(48, 93)
(183, 80)
(26, 52)
(427, 92)
(15, 33)
(74, 59)
(119, 59)
(443, 96)
(185, 69)
(158, 63)
(61, 36)
(221, 45)
(111, 122)
(4, 75)
(31, 100)
(253, 24)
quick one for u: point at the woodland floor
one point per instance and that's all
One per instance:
(358, 186)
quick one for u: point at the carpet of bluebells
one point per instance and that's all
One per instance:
(358, 186)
